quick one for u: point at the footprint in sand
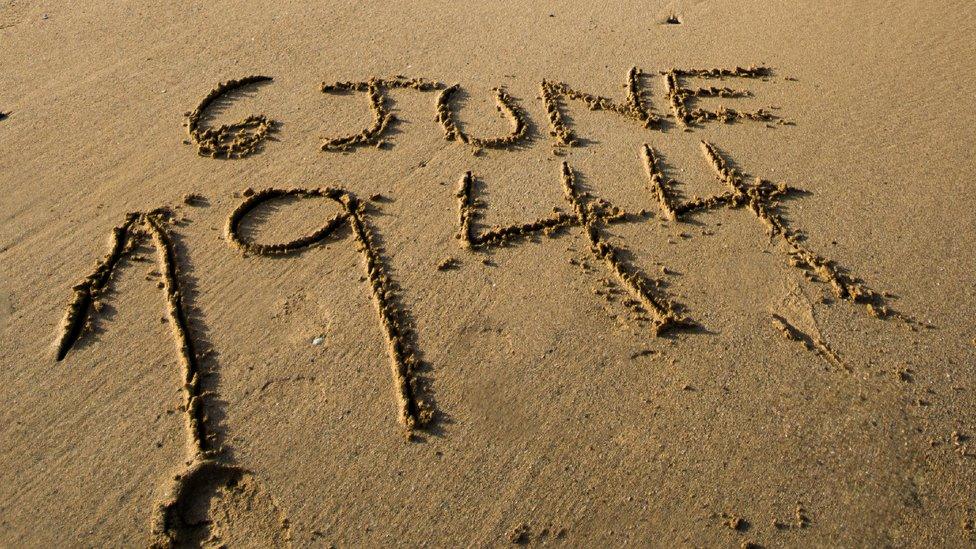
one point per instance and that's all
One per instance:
(217, 505)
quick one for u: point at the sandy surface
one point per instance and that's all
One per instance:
(812, 383)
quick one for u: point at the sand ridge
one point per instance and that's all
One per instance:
(588, 213)
(235, 140)
(204, 463)
(412, 411)
(678, 96)
(506, 103)
(634, 107)
(376, 89)
(762, 200)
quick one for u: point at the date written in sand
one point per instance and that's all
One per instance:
(207, 463)
(580, 210)
(245, 137)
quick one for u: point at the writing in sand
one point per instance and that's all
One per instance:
(579, 210)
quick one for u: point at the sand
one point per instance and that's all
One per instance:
(662, 274)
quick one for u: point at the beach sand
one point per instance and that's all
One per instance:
(443, 279)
